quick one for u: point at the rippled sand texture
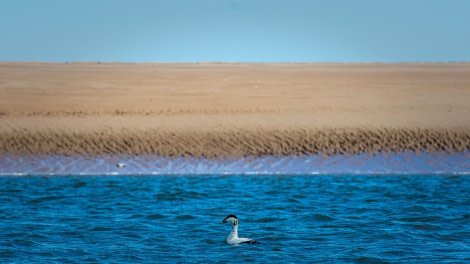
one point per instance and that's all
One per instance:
(233, 110)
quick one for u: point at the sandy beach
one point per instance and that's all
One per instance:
(232, 110)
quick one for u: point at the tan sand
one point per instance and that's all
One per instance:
(232, 110)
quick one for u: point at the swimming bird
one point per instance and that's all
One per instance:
(233, 238)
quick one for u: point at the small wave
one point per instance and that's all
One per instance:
(155, 216)
(24, 242)
(426, 227)
(266, 220)
(370, 260)
(44, 199)
(323, 218)
(101, 229)
(185, 217)
(79, 184)
(135, 216)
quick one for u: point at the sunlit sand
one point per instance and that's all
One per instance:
(233, 110)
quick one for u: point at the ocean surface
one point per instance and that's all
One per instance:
(175, 218)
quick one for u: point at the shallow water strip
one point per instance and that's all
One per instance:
(381, 163)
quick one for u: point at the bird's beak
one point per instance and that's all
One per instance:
(223, 221)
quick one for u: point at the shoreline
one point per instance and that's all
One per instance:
(404, 163)
(226, 110)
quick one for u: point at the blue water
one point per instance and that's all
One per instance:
(175, 219)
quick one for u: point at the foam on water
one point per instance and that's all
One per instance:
(382, 163)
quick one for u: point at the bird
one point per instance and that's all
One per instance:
(233, 238)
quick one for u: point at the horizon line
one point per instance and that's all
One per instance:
(235, 62)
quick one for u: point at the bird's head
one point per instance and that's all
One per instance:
(231, 219)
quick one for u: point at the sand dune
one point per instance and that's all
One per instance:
(233, 110)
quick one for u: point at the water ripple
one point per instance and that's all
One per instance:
(298, 219)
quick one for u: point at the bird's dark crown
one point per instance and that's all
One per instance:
(228, 216)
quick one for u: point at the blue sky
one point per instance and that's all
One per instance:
(235, 31)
